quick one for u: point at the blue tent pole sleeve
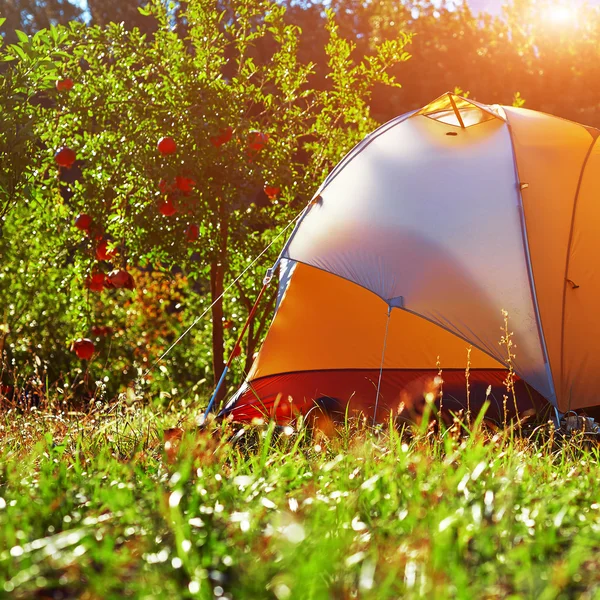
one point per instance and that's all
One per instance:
(214, 396)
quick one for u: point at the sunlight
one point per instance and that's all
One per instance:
(560, 14)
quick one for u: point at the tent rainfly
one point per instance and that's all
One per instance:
(414, 245)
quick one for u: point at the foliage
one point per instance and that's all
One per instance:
(551, 62)
(103, 12)
(230, 92)
(31, 16)
(96, 505)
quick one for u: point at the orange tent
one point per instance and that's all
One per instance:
(414, 245)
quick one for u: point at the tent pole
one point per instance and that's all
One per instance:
(456, 111)
(238, 342)
(557, 417)
(387, 326)
(286, 246)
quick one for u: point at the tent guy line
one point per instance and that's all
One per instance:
(385, 338)
(199, 318)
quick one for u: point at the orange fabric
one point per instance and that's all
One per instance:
(550, 155)
(326, 322)
(581, 359)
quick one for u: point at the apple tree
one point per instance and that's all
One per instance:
(180, 154)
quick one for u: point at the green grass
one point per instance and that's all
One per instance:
(94, 507)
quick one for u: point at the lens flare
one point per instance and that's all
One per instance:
(560, 14)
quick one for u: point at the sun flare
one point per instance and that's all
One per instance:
(560, 14)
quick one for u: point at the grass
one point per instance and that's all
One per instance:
(95, 506)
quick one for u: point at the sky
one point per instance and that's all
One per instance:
(491, 6)
(494, 6)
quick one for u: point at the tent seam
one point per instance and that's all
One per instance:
(568, 257)
(540, 112)
(436, 323)
(376, 371)
(529, 264)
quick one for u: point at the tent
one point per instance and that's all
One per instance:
(411, 249)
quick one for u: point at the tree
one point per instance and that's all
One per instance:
(32, 15)
(103, 12)
(248, 142)
(531, 48)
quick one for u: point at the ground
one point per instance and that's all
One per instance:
(108, 505)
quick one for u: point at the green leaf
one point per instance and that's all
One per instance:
(19, 51)
(145, 10)
(46, 64)
(2, 19)
(22, 36)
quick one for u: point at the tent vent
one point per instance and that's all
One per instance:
(457, 111)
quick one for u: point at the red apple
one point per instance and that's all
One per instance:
(130, 285)
(192, 232)
(119, 278)
(166, 145)
(271, 191)
(227, 324)
(184, 184)
(95, 282)
(83, 222)
(222, 138)
(236, 352)
(102, 251)
(167, 207)
(258, 139)
(84, 348)
(64, 85)
(65, 157)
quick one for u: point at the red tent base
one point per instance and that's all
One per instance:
(405, 392)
